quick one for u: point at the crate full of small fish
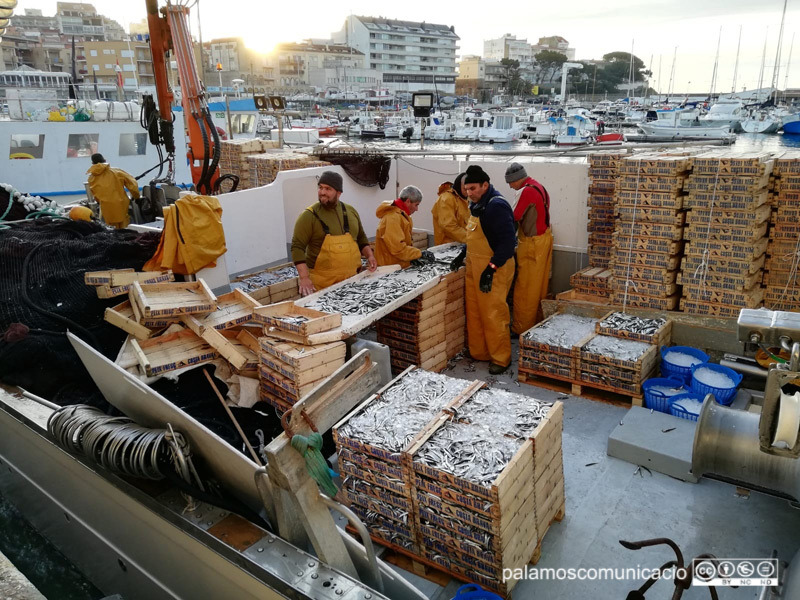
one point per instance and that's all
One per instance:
(628, 354)
(623, 325)
(275, 284)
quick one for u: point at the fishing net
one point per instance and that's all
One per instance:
(368, 171)
(43, 294)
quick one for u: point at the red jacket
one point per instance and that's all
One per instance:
(533, 209)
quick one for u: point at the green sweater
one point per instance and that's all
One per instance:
(308, 232)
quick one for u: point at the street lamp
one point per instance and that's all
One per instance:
(219, 70)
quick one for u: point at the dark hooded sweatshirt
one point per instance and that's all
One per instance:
(497, 222)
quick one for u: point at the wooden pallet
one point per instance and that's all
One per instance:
(582, 389)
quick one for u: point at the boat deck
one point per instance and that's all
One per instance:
(608, 500)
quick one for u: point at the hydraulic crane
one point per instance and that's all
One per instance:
(169, 31)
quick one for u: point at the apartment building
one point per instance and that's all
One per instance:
(314, 64)
(100, 60)
(411, 55)
(480, 78)
(508, 46)
(81, 19)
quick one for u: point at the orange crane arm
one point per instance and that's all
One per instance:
(169, 30)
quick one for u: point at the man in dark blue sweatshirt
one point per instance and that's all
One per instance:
(491, 239)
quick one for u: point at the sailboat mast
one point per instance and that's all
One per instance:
(716, 66)
(788, 66)
(777, 69)
(761, 71)
(660, 83)
(630, 75)
(672, 73)
(736, 66)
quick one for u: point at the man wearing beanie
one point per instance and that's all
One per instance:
(328, 239)
(490, 271)
(108, 187)
(535, 248)
(450, 213)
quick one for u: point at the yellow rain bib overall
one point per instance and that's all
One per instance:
(488, 317)
(339, 257)
(534, 255)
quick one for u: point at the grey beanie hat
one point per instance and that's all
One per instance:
(514, 172)
(332, 179)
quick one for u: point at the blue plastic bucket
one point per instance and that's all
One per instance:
(472, 591)
(679, 411)
(722, 395)
(655, 399)
(674, 371)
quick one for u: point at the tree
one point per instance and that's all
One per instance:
(512, 75)
(548, 61)
(616, 70)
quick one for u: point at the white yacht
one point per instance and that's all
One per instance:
(725, 113)
(761, 120)
(505, 128)
(470, 131)
(682, 124)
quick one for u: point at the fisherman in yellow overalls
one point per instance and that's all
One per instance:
(328, 239)
(490, 271)
(535, 249)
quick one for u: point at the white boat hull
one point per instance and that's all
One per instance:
(683, 132)
(768, 125)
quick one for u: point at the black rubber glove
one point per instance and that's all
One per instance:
(486, 279)
(426, 259)
(458, 261)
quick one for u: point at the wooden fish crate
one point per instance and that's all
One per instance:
(546, 349)
(782, 279)
(668, 200)
(279, 316)
(647, 214)
(386, 532)
(785, 232)
(747, 298)
(787, 213)
(654, 165)
(150, 300)
(714, 163)
(419, 239)
(286, 289)
(600, 201)
(726, 201)
(235, 308)
(649, 259)
(670, 231)
(787, 163)
(699, 233)
(121, 282)
(660, 337)
(591, 277)
(305, 376)
(639, 300)
(618, 386)
(102, 277)
(712, 309)
(122, 316)
(602, 187)
(731, 218)
(610, 158)
(642, 365)
(539, 368)
(624, 244)
(721, 282)
(360, 491)
(782, 299)
(622, 270)
(297, 357)
(726, 267)
(644, 287)
(651, 184)
(736, 251)
(727, 184)
(788, 183)
(605, 172)
(171, 352)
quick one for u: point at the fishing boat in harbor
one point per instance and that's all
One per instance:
(682, 124)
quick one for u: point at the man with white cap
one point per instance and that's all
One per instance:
(535, 247)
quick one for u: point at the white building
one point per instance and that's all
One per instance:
(508, 46)
(413, 56)
(555, 43)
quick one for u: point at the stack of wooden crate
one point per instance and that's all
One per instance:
(376, 481)
(298, 351)
(593, 283)
(234, 153)
(649, 230)
(781, 279)
(455, 315)
(416, 333)
(727, 233)
(264, 168)
(478, 529)
(276, 284)
(617, 364)
(419, 239)
(290, 369)
(552, 347)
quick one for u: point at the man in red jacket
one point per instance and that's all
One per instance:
(535, 248)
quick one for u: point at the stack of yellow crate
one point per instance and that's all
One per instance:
(648, 239)
(781, 279)
(233, 157)
(264, 168)
(727, 233)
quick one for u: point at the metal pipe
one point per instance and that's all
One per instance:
(365, 539)
(726, 443)
(744, 368)
(38, 399)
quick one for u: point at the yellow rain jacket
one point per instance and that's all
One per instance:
(108, 187)
(393, 245)
(450, 216)
(192, 238)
